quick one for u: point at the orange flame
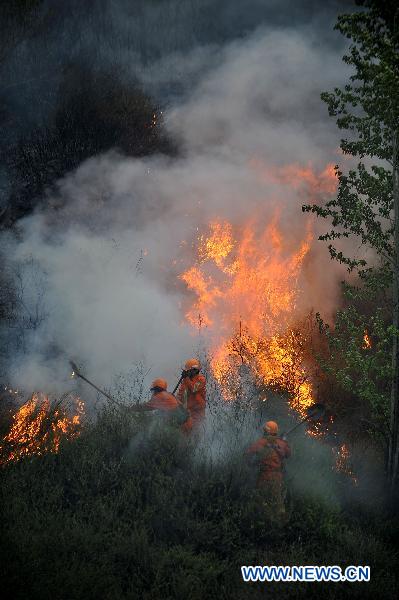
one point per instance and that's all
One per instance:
(298, 177)
(366, 341)
(38, 427)
(249, 280)
(246, 285)
(343, 463)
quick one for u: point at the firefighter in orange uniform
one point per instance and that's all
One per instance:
(192, 391)
(168, 406)
(270, 452)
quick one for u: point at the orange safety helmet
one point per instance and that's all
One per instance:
(159, 383)
(193, 363)
(271, 427)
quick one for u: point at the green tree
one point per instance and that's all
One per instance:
(367, 203)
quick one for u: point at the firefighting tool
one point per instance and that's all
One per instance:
(178, 383)
(314, 412)
(76, 373)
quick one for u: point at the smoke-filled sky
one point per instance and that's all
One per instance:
(241, 98)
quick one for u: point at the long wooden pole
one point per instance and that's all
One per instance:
(78, 374)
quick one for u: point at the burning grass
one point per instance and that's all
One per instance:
(39, 425)
(366, 341)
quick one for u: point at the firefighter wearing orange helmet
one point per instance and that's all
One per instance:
(192, 391)
(269, 453)
(167, 405)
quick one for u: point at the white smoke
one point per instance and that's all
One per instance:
(113, 240)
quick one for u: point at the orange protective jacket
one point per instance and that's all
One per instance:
(271, 451)
(192, 394)
(171, 407)
(162, 401)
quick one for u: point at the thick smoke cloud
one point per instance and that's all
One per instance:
(111, 242)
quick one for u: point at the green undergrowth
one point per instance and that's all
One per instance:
(129, 511)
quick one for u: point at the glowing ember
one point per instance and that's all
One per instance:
(10, 390)
(366, 341)
(38, 427)
(342, 462)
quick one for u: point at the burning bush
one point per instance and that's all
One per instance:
(39, 425)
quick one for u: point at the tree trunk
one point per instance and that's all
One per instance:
(393, 455)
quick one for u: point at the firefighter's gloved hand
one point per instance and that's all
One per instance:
(184, 374)
(284, 438)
